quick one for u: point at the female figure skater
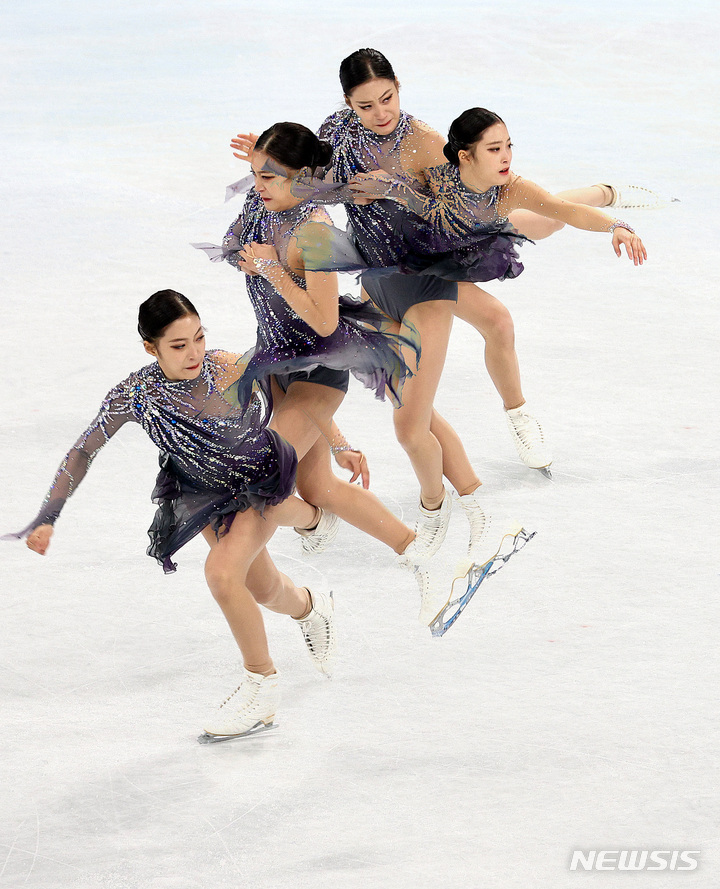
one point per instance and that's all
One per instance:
(476, 189)
(224, 474)
(308, 337)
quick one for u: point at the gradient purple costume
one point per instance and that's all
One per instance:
(215, 460)
(455, 234)
(286, 344)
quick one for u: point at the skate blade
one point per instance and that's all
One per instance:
(545, 470)
(473, 574)
(257, 729)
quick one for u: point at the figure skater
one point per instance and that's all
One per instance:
(477, 191)
(224, 474)
(308, 338)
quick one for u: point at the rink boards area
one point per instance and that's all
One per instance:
(574, 704)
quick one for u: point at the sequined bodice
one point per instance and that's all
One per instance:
(205, 437)
(279, 327)
(359, 150)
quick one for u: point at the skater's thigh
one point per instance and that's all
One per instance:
(234, 548)
(480, 309)
(433, 321)
(314, 473)
(305, 414)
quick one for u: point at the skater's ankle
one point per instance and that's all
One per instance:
(432, 503)
(470, 489)
(514, 406)
(608, 193)
(307, 606)
(267, 668)
(405, 543)
(316, 519)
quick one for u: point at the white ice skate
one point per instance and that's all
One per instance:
(529, 438)
(637, 197)
(479, 524)
(319, 538)
(249, 710)
(431, 528)
(431, 601)
(318, 629)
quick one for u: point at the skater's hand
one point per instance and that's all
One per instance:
(372, 186)
(356, 463)
(633, 245)
(243, 145)
(39, 540)
(252, 252)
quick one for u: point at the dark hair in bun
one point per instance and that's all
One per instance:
(160, 310)
(294, 146)
(362, 66)
(466, 130)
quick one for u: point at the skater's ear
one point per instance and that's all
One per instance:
(150, 348)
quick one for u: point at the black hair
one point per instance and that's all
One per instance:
(294, 146)
(160, 310)
(362, 66)
(466, 130)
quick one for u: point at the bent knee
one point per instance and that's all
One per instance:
(318, 491)
(222, 579)
(410, 432)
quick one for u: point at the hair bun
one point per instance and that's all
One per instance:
(324, 153)
(451, 153)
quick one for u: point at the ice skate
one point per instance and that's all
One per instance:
(636, 197)
(249, 710)
(318, 539)
(472, 574)
(318, 629)
(529, 438)
(431, 528)
(431, 602)
(479, 524)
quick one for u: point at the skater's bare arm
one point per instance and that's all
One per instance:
(523, 194)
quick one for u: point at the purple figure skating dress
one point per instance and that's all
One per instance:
(286, 344)
(215, 460)
(445, 230)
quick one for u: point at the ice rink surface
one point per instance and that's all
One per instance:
(575, 704)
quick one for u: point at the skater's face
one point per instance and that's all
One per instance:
(377, 104)
(181, 349)
(273, 182)
(487, 161)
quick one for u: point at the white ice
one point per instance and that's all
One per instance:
(575, 704)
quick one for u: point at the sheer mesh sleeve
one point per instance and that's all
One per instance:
(522, 194)
(114, 412)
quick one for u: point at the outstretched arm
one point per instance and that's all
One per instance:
(522, 194)
(73, 469)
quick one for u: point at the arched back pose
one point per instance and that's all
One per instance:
(224, 474)
(308, 337)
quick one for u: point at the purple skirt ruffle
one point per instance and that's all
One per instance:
(184, 510)
(360, 346)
